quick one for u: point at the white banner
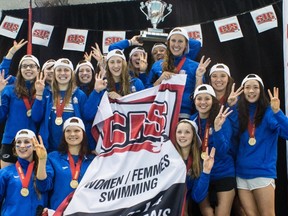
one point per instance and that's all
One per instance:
(264, 18)
(41, 34)
(195, 32)
(10, 26)
(110, 37)
(75, 39)
(285, 54)
(228, 29)
(138, 171)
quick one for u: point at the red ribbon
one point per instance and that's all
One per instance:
(25, 179)
(75, 170)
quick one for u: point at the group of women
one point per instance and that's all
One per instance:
(226, 137)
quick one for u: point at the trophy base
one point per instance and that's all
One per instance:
(154, 36)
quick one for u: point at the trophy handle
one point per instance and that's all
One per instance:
(142, 6)
(169, 8)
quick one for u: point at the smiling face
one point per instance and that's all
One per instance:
(158, 53)
(63, 75)
(135, 59)
(177, 44)
(252, 91)
(203, 103)
(29, 69)
(73, 135)
(24, 148)
(85, 74)
(219, 81)
(184, 135)
(115, 66)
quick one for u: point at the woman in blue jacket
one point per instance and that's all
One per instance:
(24, 186)
(215, 131)
(16, 104)
(187, 144)
(64, 101)
(70, 162)
(260, 124)
(175, 62)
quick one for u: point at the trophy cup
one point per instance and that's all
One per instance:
(155, 13)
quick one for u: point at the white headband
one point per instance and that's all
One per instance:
(180, 31)
(193, 123)
(74, 121)
(48, 63)
(29, 57)
(25, 133)
(220, 67)
(204, 88)
(116, 52)
(252, 77)
(84, 63)
(64, 62)
(136, 49)
(158, 45)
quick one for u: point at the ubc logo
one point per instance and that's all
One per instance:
(229, 28)
(137, 128)
(13, 27)
(43, 34)
(194, 34)
(266, 17)
(77, 39)
(110, 40)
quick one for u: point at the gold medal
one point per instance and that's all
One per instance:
(28, 113)
(74, 184)
(58, 121)
(203, 155)
(24, 192)
(252, 141)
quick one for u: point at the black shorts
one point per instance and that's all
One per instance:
(7, 154)
(225, 184)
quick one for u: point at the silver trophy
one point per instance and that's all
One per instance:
(155, 13)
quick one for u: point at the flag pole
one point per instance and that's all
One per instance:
(29, 45)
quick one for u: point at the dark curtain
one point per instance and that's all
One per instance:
(260, 53)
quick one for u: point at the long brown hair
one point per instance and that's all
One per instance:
(194, 151)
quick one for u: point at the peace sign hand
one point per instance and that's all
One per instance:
(233, 97)
(208, 161)
(40, 83)
(39, 148)
(87, 56)
(221, 117)
(143, 62)
(3, 81)
(202, 66)
(96, 53)
(274, 99)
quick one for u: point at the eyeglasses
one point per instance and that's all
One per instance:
(31, 66)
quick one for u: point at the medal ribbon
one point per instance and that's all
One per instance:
(75, 170)
(222, 100)
(189, 163)
(180, 64)
(251, 127)
(25, 179)
(205, 136)
(27, 103)
(60, 107)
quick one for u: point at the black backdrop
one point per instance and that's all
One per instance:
(254, 53)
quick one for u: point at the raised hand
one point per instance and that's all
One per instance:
(143, 61)
(100, 82)
(97, 54)
(221, 117)
(39, 148)
(233, 97)
(135, 41)
(274, 99)
(16, 46)
(3, 81)
(40, 84)
(208, 161)
(87, 56)
(202, 66)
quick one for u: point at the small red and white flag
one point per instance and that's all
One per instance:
(110, 37)
(264, 18)
(228, 29)
(10, 26)
(41, 34)
(195, 32)
(75, 39)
